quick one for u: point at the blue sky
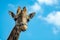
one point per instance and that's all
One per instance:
(45, 25)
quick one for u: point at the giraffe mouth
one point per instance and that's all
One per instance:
(24, 27)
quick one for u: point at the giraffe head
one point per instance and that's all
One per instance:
(22, 18)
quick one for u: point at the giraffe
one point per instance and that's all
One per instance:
(21, 19)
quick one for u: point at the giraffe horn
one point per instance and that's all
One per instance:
(18, 10)
(24, 9)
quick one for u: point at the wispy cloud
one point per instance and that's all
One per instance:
(48, 2)
(53, 18)
(36, 8)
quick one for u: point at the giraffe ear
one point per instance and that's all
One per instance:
(12, 14)
(30, 16)
(18, 10)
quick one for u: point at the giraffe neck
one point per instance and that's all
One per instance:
(15, 33)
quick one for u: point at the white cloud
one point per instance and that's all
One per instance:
(47, 2)
(53, 18)
(35, 7)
